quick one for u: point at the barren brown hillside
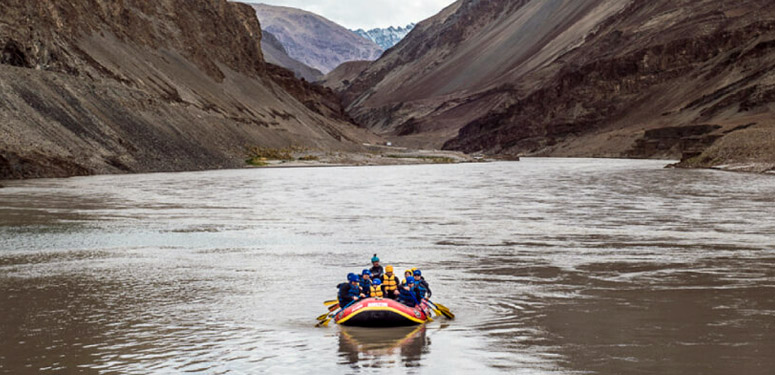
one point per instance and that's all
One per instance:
(580, 78)
(97, 86)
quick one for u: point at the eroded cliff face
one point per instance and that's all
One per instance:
(98, 86)
(47, 34)
(582, 78)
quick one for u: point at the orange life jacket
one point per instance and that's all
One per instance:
(376, 291)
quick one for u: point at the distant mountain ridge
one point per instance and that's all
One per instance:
(314, 40)
(386, 37)
(275, 53)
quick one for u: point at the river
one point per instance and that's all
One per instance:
(552, 266)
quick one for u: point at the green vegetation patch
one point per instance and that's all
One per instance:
(431, 159)
(259, 156)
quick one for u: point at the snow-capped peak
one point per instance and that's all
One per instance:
(386, 37)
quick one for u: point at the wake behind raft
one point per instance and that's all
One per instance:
(383, 312)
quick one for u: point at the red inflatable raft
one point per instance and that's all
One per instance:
(379, 312)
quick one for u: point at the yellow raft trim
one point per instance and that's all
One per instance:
(378, 308)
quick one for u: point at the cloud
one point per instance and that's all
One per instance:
(367, 14)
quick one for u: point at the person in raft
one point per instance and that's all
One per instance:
(349, 291)
(408, 295)
(376, 270)
(423, 288)
(376, 289)
(365, 282)
(407, 275)
(390, 283)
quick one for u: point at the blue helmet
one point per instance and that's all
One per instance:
(410, 280)
(377, 282)
(366, 272)
(352, 277)
(417, 273)
(375, 259)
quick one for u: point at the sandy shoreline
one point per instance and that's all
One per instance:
(375, 155)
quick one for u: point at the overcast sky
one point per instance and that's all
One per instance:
(367, 14)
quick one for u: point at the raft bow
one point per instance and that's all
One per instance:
(383, 312)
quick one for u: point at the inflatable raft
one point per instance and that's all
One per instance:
(379, 312)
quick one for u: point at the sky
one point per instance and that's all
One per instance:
(367, 14)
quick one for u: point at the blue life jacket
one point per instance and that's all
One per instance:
(365, 285)
(347, 292)
(407, 297)
(420, 291)
(426, 287)
(355, 291)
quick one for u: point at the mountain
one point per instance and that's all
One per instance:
(314, 40)
(275, 53)
(99, 86)
(637, 78)
(339, 79)
(386, 38)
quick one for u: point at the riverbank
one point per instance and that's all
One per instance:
(374, 155)
(747, 149)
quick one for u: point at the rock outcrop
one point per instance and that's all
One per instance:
(314, 40)
(340, 78)
(98, 86)
(580, 78)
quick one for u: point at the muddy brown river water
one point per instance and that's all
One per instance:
(553, 266)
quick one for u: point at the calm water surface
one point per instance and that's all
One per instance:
(552, 266)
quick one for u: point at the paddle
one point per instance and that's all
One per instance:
(435, 310)
(324, 322)
(443, 309)
(331, 302)
(330, 309)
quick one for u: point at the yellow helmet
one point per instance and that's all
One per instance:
(389, 268)
(414, 269)
(408, 271)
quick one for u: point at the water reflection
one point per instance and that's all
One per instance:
(381, 347)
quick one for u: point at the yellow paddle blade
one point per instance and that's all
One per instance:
(323, 323)
(323, 316)
(445, 311)
(331, 302)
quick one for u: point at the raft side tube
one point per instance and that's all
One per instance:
(378, 312)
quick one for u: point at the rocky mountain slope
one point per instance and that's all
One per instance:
(341, 77)
(633, 78)
(275, 53)
(386, 38)
(314, 40)
(98, 86)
